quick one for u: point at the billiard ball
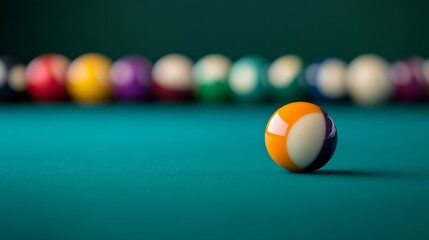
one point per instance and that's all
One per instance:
(131, 78)
(367, 80)
(12, 79)
(426, 75)
(210, 78)
(88, 79)
(408, 80)
(247, 79)
(326, 79)
(46, 78)
(301, 137)
(286, 79)
(172, 78)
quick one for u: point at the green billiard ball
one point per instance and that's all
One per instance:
(286, 80)
(247, 79)
(210, 75)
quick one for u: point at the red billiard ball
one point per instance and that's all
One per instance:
(46, 76)
(172, 78)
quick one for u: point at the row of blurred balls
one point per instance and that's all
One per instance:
(92, 78)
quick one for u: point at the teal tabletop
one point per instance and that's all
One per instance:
(190, 171)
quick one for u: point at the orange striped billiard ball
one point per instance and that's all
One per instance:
(301, 137)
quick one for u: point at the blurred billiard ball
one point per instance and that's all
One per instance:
(286, 79)
(326, 79)
(88, 79)
(301, 137)
(12, 79)
(46, 78)
(210, 78)
(425, 69)
(247, 79)
(367, 80)
(131, 78)
(408, 80)
(172, 78)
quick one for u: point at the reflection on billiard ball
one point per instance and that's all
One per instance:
(301, 137)
(408, 80)
(88, 79)
(172, 78)
(210, 78)
(131, 78)
(326, 79)
(285, 79)
(367, 80)
(12, 79)
(247, 79)
(46, 77)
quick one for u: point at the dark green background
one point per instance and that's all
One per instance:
(153, 28)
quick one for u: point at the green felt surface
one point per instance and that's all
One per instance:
(186, 171)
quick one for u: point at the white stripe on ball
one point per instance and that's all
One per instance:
(306, 138)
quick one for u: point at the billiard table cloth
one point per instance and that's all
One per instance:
(196, 171)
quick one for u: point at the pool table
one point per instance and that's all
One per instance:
(196, 171)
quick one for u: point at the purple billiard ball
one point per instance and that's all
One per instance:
(131, 78)
(407, 77)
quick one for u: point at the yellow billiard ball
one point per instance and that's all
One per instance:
(88, 79)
